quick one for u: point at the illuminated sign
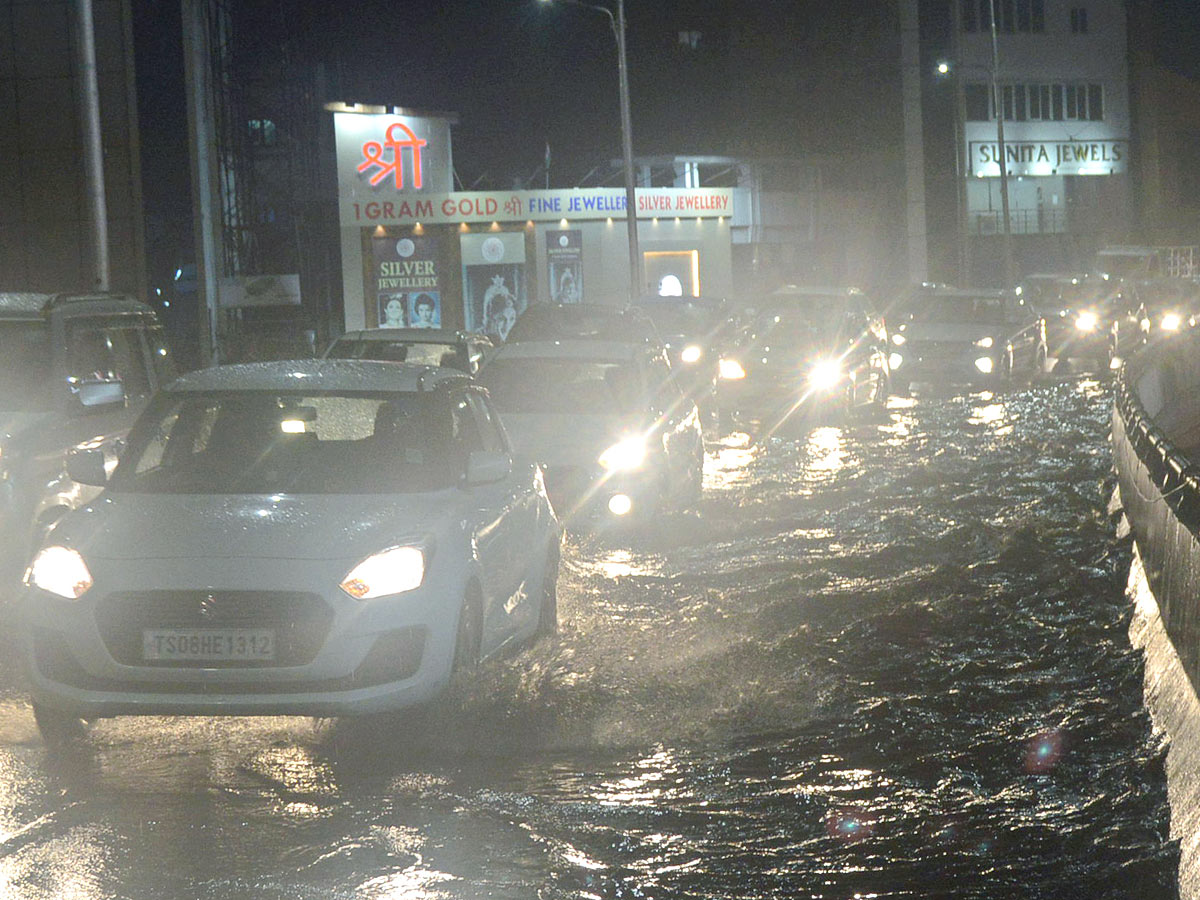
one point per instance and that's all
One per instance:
(536, 206)
(385, 158)
(1106, 157)
(373, 152)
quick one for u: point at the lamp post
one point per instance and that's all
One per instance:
(962, 166)
(617, 23)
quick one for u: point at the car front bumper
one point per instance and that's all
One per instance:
(334, 655)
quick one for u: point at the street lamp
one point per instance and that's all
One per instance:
(618, 28)
(943, 68)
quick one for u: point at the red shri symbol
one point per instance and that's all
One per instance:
(373, 156)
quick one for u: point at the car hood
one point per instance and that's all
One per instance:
(226, 526)
(565, 438)
(966, 332)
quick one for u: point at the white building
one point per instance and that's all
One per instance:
(1062, 72)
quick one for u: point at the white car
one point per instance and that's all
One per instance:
(321, 537)
(606, 419)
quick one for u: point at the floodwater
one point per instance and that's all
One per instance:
(885, 659)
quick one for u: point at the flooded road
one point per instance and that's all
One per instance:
(887, 659)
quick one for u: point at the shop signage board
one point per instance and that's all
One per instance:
(1076, 157)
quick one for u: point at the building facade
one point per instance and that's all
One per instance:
(1055, 82)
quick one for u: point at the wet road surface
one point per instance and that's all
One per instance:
(885, 659)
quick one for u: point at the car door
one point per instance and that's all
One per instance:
(678, 420)
(491, 521)
(1025, 335)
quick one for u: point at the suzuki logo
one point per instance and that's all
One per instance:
(373, 156)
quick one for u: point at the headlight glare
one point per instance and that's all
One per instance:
(1171, 322)
(984, 342)
(985, 365)
(825, 374)
(625, 455)
(391, 571)
(895, 361)
(731, 370)
(60, 571)
(691, 353)
(898, 339)
(1087, 321)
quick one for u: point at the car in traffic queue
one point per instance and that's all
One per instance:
(306, 537)
(1079, 311)
(950, 335)
(695, 332)
(807, 351)
(583, 321)
(74, 368)
(462, 350)
(606, 419)
(1154, 311)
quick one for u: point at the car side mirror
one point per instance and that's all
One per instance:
(488, 467)
(99, 395)
(87, 467)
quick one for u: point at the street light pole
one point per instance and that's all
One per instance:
(1010, 268)
(635, 255)
(617, 23)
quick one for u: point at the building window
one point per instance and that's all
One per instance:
(1039, 102)
(978, 102)
(1012, 16)
(262, 132)
(1079, 23)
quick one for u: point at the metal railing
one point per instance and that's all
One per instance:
(1023, 221)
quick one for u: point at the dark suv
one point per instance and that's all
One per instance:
(73, 369)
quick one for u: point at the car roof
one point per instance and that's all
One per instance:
(318, 375)
(30, 305)
(419, 335)
(815, 290)
(570, 349)
(945, 290)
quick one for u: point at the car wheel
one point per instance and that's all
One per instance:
(468, 639)
(547, 624)
(58, 729)
(1039, 366)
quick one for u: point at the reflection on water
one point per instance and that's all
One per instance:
(882, 660)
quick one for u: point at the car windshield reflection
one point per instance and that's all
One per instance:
(255, 442)
(562, 385)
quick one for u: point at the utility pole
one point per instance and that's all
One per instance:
(93, 151)
(1010, 265)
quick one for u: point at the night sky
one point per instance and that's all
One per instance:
(768, 78)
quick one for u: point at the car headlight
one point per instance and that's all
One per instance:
(731, 370)
(1171, 322)
(825, 374)
(984, 342)
(691, 353)
(60, 571)
(391, 571)
(898, 339)
(895, 361)
(1087, 321)
(985, 364)
(625, 455)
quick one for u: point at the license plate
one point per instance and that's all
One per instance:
(208, 644)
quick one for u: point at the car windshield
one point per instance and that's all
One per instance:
(426, 353)
(563, 385)
(24, 366)
(802, 321)
(973, 310)
(260, 442)
(683, 318)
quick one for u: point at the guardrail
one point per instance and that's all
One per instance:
(1160, 494)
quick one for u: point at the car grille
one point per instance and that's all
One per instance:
(300, 622)
(938, 350)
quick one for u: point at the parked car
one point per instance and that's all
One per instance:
(806, 351)
(73, 368)
(582, 321)
(307, 537)
(966, 336)
(607, 420)
(461, 350)
(695, 331)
